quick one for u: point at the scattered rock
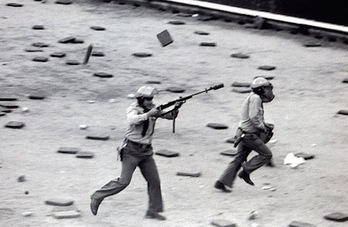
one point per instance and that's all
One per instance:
(33, 50)
(261, 23)
(15, 124)
(40, 44)
(64, 208)
(72, 62)
(38, 27)
(97, 54)
(253, 215)
(188, 174)
(14, 5)
(167, 153)
(206, 18)
(37, 96)
(229, 152)
(176, 89)
(67, 214)
(88, 54)
(68, 150)
(266, 187)
(217, 126)
(175, 22)
(223, 223)
(343, 112)
(337, 216)
(76, 41)
(21, 178)
(83, 127)
(240, 55)
(7, 99)
(64, 2)
(267, 67)
(266, 77)
(103, 75)
(153, 82)
(184, 14)
(319, 36)
(69, 39)
(84, 154)
(312, 44)
(164, 38)
(2, 114)
(5, 110)
(300, 224)
(58, 54)
(142, 54)
(59, 202)
(40, 59)
(98, 28)
(9, 105)
(305, 155)
(27, 214)
(131, 96)
(98, 137)
(345, 80)
(241, 90)
(331, 38)
(208, 44)
(240, 84)
(201, 33)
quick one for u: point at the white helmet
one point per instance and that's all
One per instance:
(260, 82)
(146, 91)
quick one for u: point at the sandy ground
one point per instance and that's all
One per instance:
(307, 83)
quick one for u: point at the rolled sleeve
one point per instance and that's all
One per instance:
(134, 117)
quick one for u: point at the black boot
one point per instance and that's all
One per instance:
(270, 163)
(95, 205)
(221, 186)
(154, 215)
(246, 177)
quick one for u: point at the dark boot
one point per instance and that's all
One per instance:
(154, 215)
(270, 163)
(95, 205)
(221, 186)
(246, 177)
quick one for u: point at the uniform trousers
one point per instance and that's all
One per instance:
(249, 143)
(136, 155)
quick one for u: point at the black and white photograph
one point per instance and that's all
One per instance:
(173, 113)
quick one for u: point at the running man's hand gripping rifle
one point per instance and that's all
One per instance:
(178, 102)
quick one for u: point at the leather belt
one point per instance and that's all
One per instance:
(140, 145)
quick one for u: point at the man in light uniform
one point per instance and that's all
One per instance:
(137, 152)
(251, 127)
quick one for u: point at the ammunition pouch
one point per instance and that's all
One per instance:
(266, 135)
(239, 136)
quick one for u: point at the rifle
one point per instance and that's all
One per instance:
(182, 100)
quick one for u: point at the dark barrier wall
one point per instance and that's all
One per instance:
(330, 11)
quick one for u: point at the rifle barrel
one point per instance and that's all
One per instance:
(215, 87)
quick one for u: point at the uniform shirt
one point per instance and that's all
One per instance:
(252, 114)
(136, 118)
